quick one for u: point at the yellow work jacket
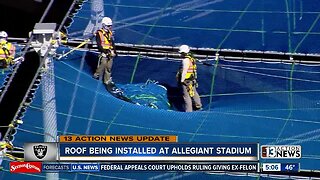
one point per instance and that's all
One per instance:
(106, 39)
(192, 69)
(7, 51)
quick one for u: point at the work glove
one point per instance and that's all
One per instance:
(195, 83)
(103, 55)
(185, 83)
(115, 53)
(111, 53)
(178, 76)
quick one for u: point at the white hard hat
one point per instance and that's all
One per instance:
(106, 21)
(184, 49)
(3, 34)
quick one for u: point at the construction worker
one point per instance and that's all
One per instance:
(187, 78)
(106, 46)
(7, 51)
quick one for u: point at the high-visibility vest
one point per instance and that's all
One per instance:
(106, 39)
(192, 69)
(7, 51)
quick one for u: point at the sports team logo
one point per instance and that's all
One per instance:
(40, 151)
(25, 167)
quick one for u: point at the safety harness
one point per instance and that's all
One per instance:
(6, 53)
(105, 39)
(192, 69)
(191, 75)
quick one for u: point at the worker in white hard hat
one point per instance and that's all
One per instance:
(187, 78)
(7, 50)
(106, 46)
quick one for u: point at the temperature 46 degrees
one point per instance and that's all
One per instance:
(291, 167)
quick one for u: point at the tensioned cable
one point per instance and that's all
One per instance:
(290, 101)
(67, 14)
(112, 122)
(38, 107)
(207, 28)
(215, 70)
(288, 26)
(269, 69)
(223, 94)
(275, 76)
(245, 71)
(144, 38)
(93, 107)
(308, 32)
(219, 46)
(75, 91)
(152, 15)
(272, 110)
(229, 94)
(18, 65)
(22, 54)
(258, 93)
(311, 157)
(41, 128)
(206, 10)
(135, 68)
(294, 14)
(46, 11)
(293, 65)
(293, 138)
(96, 93)
(302, 135)
(101, 121)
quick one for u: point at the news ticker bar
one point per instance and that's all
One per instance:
(39, 167)
(141, 152)
(152, 148)
(117, 138)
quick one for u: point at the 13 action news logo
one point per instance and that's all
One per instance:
(281, 151)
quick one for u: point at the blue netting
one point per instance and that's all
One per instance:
(287, 26)
(251, 102)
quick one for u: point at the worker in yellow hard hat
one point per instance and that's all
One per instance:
(187, 78)
(106, 46)
(7, 50)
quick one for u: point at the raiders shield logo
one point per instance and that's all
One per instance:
(40, 151)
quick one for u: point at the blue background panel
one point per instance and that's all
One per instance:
(266, 25)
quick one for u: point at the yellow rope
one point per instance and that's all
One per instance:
(80, 45)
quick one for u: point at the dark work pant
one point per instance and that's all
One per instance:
(188, 99)
(104, 68)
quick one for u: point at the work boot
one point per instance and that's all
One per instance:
(95, 76)
(198, 107)
(110, 82)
